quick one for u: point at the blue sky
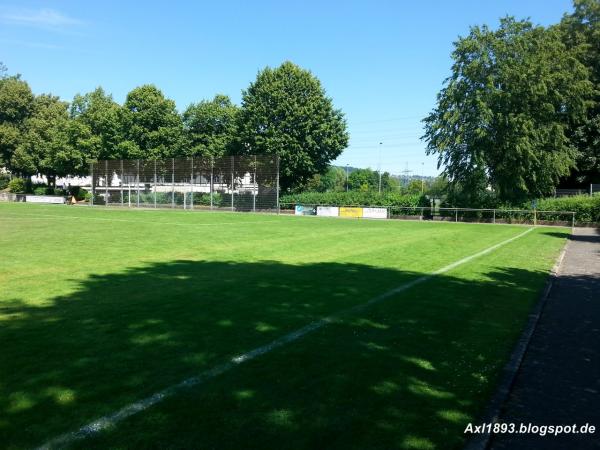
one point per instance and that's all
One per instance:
(382, 62)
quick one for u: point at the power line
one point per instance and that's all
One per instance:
(388, 120)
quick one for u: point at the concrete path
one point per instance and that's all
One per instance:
(559, 380)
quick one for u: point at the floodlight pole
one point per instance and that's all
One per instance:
(380, 144)
(346, 177)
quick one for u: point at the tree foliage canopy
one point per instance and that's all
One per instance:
(97, 126)
(211, 127)
(286, 112)
(45, 147)
(152, 127)
(16, 104)
(502, 117)
(581, 34)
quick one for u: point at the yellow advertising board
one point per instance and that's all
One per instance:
(351, 212)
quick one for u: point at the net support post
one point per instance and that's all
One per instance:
(92, 183)
(137, 183)
(154, 187)
(255, 190)
(277, 184)
(172, 182)
(106, 183)
(232, 183)
(211, 184)
(192, 184)
(122, 178)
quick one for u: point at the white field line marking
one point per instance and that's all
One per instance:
(51, 216)
(113, 419)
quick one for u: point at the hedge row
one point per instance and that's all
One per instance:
(354, 198)
(586, 208)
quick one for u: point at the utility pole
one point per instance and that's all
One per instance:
(346, 177)
(406, 173)
(380, 144)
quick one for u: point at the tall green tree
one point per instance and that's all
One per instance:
(151, 125)
(333, 180)
(368, 180)
(211, 126)
(501, 119)
(287, 112)
(45, 147)
(581, 34)
(96, 125)
(16, 105)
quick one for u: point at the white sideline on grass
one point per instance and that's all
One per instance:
(113, 419)
(54, 216)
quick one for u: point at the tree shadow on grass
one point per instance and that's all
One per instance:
(406, 373)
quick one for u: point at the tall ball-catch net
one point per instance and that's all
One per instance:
(238, 183)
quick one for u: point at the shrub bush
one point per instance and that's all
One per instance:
(17, 185)
(355, 198)
(586, 208)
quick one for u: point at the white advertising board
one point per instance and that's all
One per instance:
(375, 213)
(44, 199)
(305, 210)
(328, 211)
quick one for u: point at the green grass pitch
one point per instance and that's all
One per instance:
(100, 308)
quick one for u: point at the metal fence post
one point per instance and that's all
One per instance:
(534, 217)
(172, 182)
(573, 223)
(255, 188)
(456, 215)
(154, 184)
(277, 184)
(93, 184)
(211, 184)
(137, 183)
(192, 185)
(232, 184)
(494, 219)
(122, 178)
(106, 183)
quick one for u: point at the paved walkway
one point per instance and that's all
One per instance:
(559, 380)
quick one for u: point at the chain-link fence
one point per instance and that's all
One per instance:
(238, 183)
(474, 215)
